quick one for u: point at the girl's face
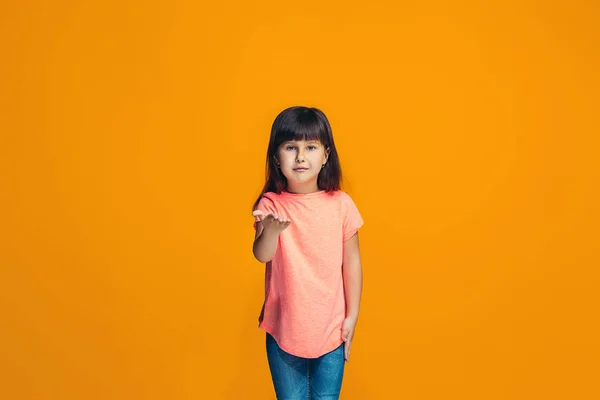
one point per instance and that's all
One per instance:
(300, 162)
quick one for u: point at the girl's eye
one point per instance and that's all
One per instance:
(293, 147)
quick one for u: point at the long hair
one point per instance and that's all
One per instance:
(301, 123)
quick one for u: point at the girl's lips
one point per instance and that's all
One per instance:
(300, 169)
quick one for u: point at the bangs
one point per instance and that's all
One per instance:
(305, 126)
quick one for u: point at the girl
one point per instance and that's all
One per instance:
(306, 233)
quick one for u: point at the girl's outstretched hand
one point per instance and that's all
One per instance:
(348, 335)
(272, 221)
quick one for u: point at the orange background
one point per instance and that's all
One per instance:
(133, 145)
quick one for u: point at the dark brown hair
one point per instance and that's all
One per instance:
(301, 123)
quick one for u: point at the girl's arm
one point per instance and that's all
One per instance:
(267, 233)
(265, 244)
(352, 274)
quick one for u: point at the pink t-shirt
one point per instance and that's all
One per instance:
(304, 305)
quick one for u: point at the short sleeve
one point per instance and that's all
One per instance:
(265, 205)
(352, 218)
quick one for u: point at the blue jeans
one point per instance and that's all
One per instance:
(298, 378)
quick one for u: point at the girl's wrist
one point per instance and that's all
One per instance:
(271, 232)
(352, 315)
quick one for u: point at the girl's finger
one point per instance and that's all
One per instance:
(258, 213)
(347, 351)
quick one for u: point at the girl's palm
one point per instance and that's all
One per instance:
(272, 221)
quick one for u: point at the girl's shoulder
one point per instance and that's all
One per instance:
(271, 196)
(342, 196)
(340, 193)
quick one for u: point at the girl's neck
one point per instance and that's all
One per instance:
(312, 194)
(309, 188)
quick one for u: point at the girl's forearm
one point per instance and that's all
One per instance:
(352, 274)
(265, 245)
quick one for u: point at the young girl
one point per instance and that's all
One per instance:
(306, 233)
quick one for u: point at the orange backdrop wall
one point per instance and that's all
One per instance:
(133, 145)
